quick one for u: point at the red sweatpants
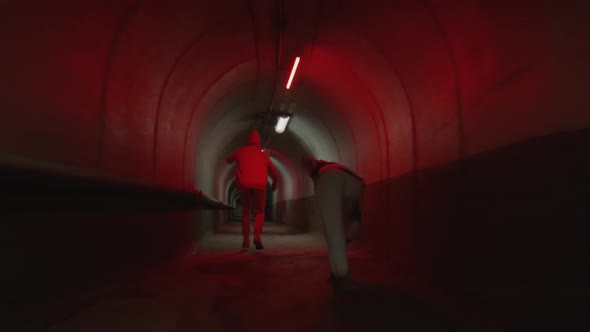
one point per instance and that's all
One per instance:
(257, 198)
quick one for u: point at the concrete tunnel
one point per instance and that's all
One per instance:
(468, 119)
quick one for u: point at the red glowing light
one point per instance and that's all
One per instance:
(293, 72)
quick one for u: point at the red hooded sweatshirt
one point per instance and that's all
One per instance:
(253, 165)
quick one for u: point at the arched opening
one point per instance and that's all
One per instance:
(468, 120)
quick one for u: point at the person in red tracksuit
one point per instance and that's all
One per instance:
(251, 180)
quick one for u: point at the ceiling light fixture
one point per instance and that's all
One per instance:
(282, 124)
(293, 73)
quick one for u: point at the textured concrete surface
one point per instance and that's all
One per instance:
(282, 288)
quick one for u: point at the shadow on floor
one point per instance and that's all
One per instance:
(379, 308)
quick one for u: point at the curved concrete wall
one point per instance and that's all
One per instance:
(423, 98)
(130, 89)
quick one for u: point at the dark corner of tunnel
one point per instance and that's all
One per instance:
(66, 232)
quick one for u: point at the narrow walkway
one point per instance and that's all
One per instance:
(270, 228)
(283, 288)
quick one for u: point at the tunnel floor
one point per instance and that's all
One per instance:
(216, 287)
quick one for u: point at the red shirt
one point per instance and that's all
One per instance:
(322, 165)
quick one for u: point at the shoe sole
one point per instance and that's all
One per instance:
(258, 246)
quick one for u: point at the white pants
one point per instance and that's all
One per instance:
(336, 193)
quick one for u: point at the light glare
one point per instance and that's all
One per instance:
(281, 124)
(293, 72)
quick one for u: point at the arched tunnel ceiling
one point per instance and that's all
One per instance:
(157, 92)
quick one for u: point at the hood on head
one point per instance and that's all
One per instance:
(254, 138)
